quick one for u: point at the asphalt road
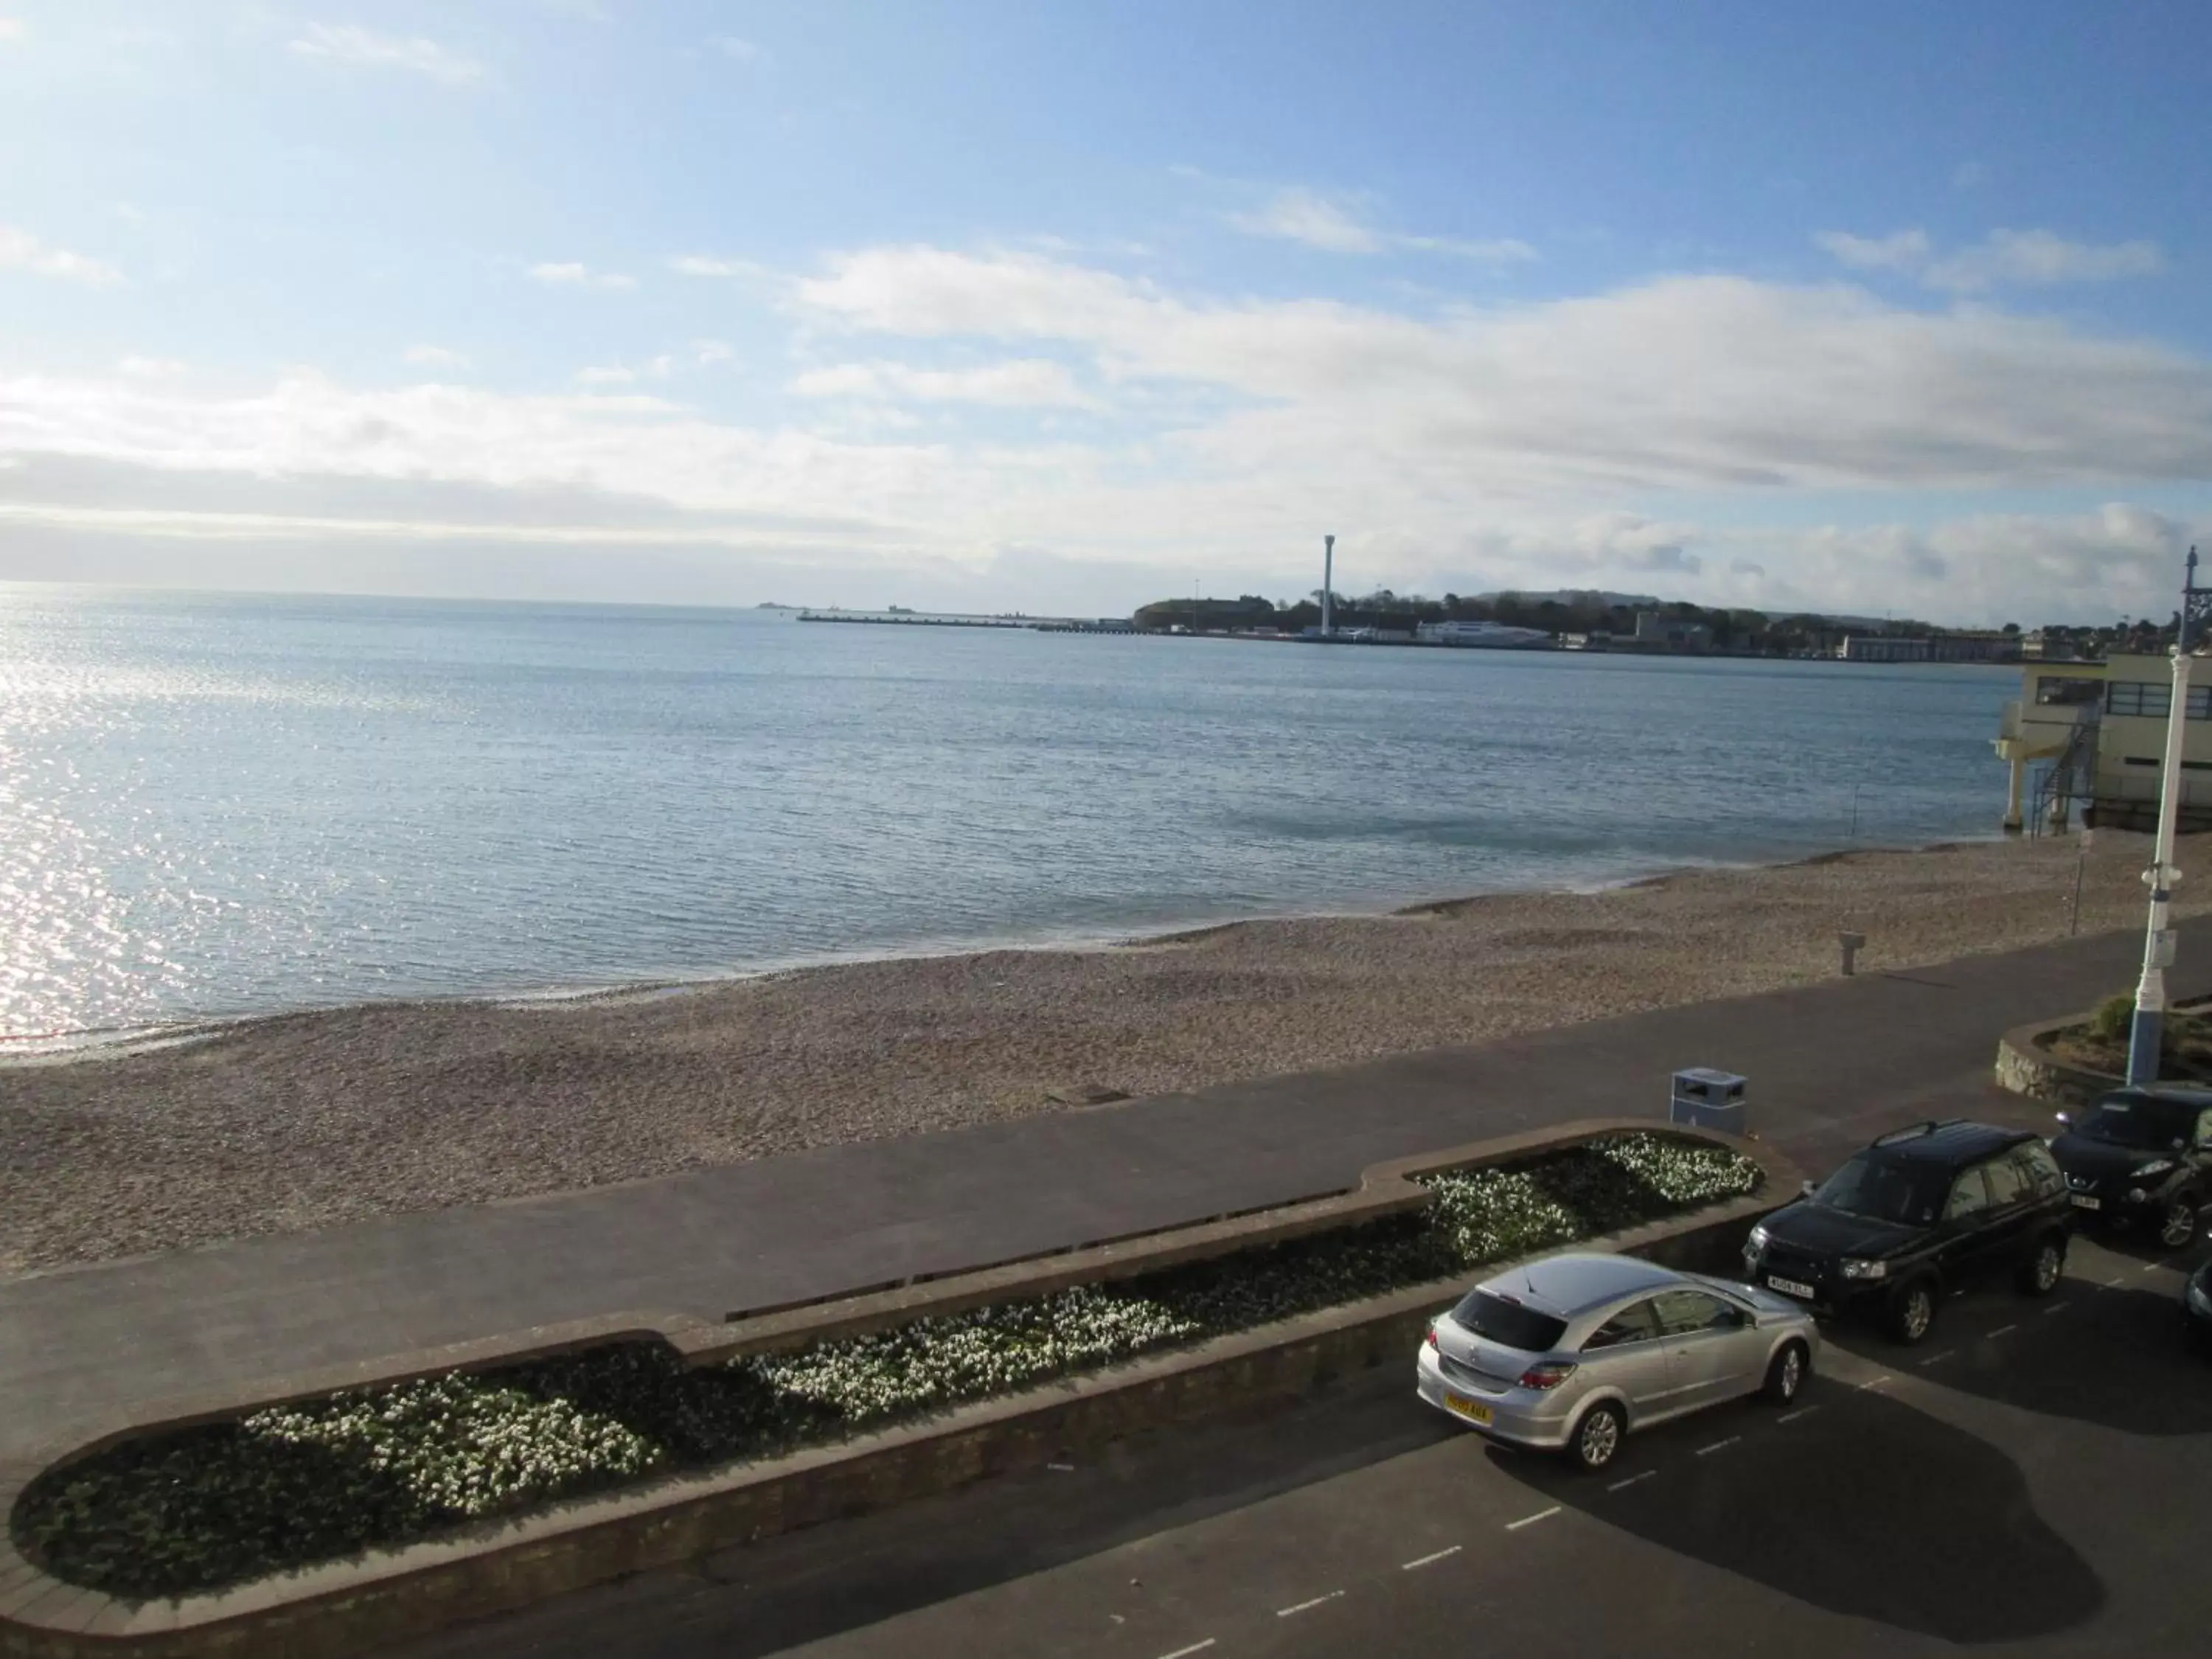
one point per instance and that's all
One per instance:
(2038, 1475)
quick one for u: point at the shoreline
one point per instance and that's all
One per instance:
(93, 1044)
(292, 1122)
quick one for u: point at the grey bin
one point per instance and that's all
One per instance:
(1708, 1100)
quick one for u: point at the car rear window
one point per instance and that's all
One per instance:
(1499, 1319)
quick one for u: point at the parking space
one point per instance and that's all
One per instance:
(2038, 1473)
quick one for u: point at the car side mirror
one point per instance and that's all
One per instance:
(2065, 1120)
(1806, 1189)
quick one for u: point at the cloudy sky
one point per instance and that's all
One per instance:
(1870, 307)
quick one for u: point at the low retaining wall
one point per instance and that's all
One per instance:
(348, 1606)
(2026, 1068)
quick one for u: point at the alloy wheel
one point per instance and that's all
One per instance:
(2179, 1225)
(1599, 1439)
(1919, 1312)
(2048, 1266)
(1793, 1372)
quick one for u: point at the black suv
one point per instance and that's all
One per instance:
(2142, 1157)
(1918, 1213)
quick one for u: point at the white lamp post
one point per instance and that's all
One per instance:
(2147, 1031)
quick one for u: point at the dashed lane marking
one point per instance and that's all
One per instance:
(2057, 1307)
(1874, 1382)
(1937, 1359)
(1531, 1520)
(1792, 1417)
(1718, 1445)
(1303, 1607)
(1623, 1485)
(1185, 1653)
(1427, 1561)
(2003, 1329)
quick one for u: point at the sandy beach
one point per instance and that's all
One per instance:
(303, 1120)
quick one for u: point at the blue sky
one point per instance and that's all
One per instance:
(1067, 306)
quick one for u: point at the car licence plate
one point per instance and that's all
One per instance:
(2082, 1203)
(1791, 1287)
(1475, 1410)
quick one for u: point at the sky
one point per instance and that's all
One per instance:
(1067, 308)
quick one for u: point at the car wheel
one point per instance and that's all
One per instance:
(2039, 1274)
(1598, 1437)
(1912, 1312)
(1786, 1373)
(2179, 1224)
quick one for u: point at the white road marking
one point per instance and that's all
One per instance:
(1719, 1445)
(1064, 1468)
(1934, 1358)
(2150, 1266)
(1874, 1382)
(1531, 1520)
(1792, 1417)
(1427, 1561)
(1620, 1485)
(1285, 1613)
(2057, 1307)
(2003, 1329)
(1185, 1653)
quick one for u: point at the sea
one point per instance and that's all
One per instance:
(214, 806)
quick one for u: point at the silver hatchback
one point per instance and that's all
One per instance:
(1571, 1352)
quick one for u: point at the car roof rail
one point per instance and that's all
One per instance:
(1915, 1132)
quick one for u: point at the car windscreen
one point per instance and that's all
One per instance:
(1498, 1319)
(1887, 1189)
(2144, 1125)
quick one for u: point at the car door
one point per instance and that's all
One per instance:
(1626, 1353)
(2009, 1227)
(1705, 1356)
(1963, 1245)
(2200, 1146)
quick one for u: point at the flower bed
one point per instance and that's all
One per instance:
(201, 1509)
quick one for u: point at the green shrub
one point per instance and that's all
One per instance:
(2113, 1018)
(208, 1507)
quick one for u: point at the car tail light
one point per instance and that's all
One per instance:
(1432, 1339)
(1549, 1375)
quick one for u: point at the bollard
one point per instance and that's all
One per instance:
(1852, 944)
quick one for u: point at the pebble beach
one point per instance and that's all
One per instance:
(312, 1120)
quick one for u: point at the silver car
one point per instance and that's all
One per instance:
(1571, 1352)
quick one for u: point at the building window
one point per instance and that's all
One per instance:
(2058, 691)
(2200, 702)
(2144, 698)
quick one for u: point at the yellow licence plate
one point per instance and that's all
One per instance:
(1475, 1410)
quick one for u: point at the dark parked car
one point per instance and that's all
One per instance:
(2142, 1157)
(1919, 1213)
(2197, 1308)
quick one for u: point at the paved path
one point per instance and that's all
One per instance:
(1828, 1064)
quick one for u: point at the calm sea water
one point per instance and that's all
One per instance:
(214, 806)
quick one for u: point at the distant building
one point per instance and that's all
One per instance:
(1494, 635)
(1652, 628)
(2096, 733)
(1965, 645)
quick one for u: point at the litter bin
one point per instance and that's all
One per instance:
(1708, 1100)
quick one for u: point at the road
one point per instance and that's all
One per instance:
(1829, 1063)
(2038, 1474)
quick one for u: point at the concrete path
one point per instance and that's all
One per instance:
(1829, 1064)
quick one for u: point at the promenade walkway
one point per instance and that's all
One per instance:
(1829, 1065)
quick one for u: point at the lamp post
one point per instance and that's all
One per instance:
(2146, 1031)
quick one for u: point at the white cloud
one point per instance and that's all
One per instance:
(1028, 382)
(1492, 447)
(350, 43)
(11, 28)
(2034, 257)
(571, 274)
(703, 264)
(1309, 217)
(712, 351)
(149, 368)
(1906, 250)
(605, 374)
(433, 356)
(21, 251)
(735, 47)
